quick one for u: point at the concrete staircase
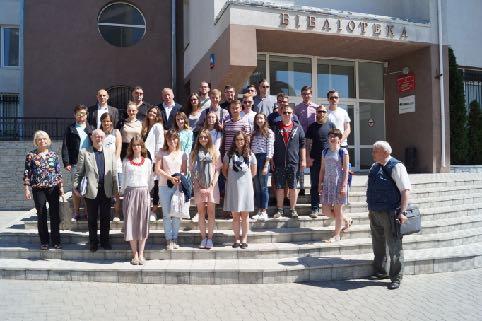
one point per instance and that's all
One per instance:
(280, 250)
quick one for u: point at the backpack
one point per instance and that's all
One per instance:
(340, 156)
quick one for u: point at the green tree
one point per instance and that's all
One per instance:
(458, 113)
(474, 132)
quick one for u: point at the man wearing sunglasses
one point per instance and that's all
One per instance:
(288, 160)
(316, 142)
(264, 102)
(338, 116)
(204, 99)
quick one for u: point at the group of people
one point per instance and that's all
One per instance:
(209, 149)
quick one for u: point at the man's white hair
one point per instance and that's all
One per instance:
(381, 144)
(98, 131)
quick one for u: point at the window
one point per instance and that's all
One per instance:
(9, 38)
(119, 96)
(370, 76)
(472, 86)
(336, 74)
(260, 72)
(289, 74)
(121, 24)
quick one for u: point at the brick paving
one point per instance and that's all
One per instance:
(441, 296)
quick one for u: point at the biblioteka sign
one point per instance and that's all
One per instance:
(345, 26)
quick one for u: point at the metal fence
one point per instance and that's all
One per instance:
(472, 86)
(23, 128)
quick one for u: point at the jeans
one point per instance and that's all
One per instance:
(171, 224)
(382, 234)
(260, 182)
(314, 177)
(40, 197)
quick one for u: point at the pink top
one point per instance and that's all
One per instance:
(171, 163)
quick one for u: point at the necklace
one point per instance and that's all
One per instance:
(138, 164)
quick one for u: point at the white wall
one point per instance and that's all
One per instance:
(464, 31)
(10, 16)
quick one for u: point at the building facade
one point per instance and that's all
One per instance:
(387, 58)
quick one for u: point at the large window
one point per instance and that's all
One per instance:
(9, 38)
(289, 74)
(337, 74)
(121, 24)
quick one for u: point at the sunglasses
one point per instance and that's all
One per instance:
(334, 97)
(287, 113)
(321, 111)
(264, 86)
(80, 114)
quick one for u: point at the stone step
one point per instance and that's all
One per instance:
(239, 271)
(277, 235)
(303, 220)
(254, 251)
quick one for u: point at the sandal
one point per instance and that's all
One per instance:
(348, 224)
(333, 239)
(135, 261)
(244, 245)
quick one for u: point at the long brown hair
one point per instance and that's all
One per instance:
(136, 140)
(261, 130)
(189, 108)
(104, 116)
(186, 121)
(147, 124)
(209, 146)
(246, 150)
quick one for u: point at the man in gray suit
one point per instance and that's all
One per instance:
(98, 166)
(101, 108)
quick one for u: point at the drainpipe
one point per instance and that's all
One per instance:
(173, 44)
(21, 109)
(441, 83)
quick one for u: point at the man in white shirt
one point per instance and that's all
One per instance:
(338, 116)
(96, 111)
(204, 99)
(247, 109)
(169, 108)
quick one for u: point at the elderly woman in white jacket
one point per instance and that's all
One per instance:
(153, 136)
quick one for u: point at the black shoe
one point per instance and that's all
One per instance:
(378, 276)
(302, 192)
(236, 244)
(106, 246)
(393, 285)
(93, 247)
(244, 245)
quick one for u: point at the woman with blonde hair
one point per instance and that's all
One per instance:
(137, 169)
(205, 165)
(153, 135)
(42, 174)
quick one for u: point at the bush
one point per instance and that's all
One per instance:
(458, 114)
(474, 132)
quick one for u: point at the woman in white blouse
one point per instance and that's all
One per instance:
(137, 169)
(153, 136)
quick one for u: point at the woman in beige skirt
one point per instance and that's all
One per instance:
(137, 169)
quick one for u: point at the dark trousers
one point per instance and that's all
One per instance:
(99, 204)
(155, 193)
(260, 182)
(40, 197)
(302, 179)
(314, 177)
(382, 237)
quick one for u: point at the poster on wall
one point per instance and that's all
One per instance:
(406, 104)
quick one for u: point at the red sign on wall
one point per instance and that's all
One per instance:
(406, 83)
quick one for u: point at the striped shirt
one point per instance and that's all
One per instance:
(231, 128)
(263, 144)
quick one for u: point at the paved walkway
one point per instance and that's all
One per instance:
(444, 296)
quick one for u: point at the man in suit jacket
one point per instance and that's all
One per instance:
(100, 108)
(99, 166)
(169, 108)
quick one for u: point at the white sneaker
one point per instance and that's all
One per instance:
(203, 244)
(116, 219)
(209, 244)
(196, 218)
(153, 217)
(263, 217)
(254, 218)
(170, 245)
(73, 219)
(175, 246)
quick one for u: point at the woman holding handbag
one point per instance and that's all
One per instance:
(137, 169)
(42, 174)
(169, 161)
(205, 165)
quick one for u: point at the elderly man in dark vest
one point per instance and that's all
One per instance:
(387, 197)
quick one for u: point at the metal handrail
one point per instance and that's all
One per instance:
(23, 128)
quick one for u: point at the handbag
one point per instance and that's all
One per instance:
(413, 223)
(179, 207)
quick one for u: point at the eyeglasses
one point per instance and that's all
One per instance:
(194, 99)
(265, 86)
(321, 111)
(287, 113)
(80, 114)
(305, 94)
(333, 97)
